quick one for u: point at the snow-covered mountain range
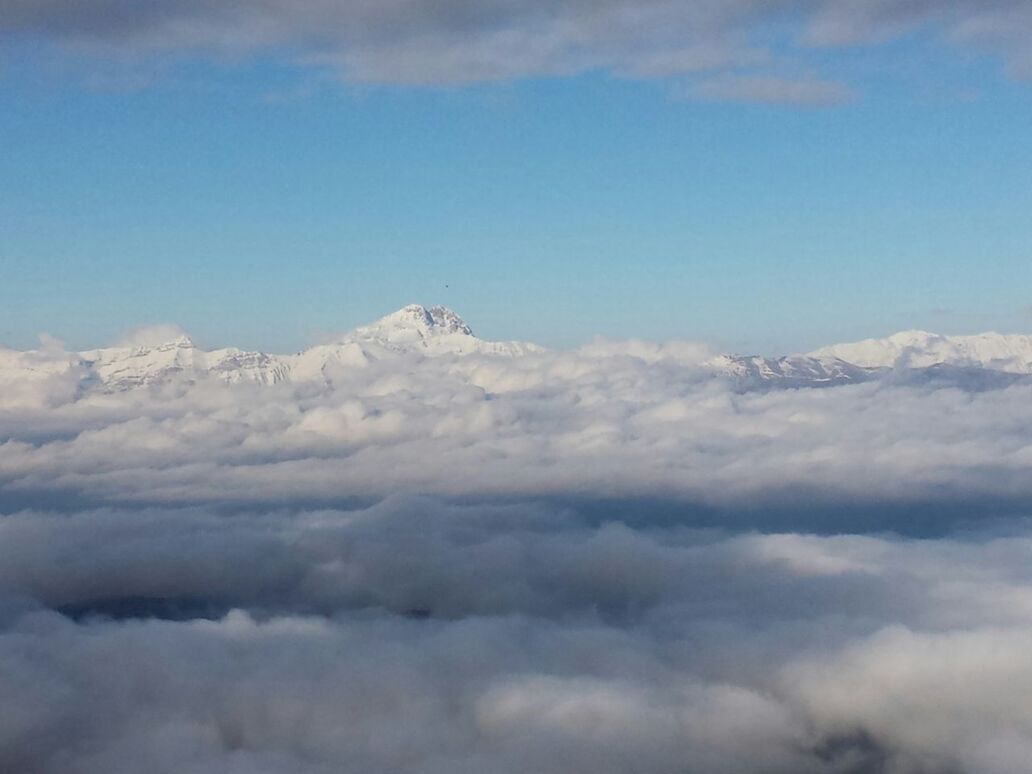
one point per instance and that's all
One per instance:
(414, 331)
(125, 367)
(417, 332)
(920, 349)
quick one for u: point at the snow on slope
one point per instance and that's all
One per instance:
(434, 331)
(125, 367)
(920, 349)
(790, 371)
(413, 330)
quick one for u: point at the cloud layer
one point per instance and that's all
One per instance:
(759, 47)
(420, 637)
(627, 421)
(596, 561)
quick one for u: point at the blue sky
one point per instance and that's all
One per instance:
(263, 203)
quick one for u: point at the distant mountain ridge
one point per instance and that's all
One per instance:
(413, 330)
(789, 371)
(418, 331)
(126, 367)
(436, 330)
(919, 349)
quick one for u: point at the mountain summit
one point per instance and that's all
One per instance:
(435, 330)
(413, 330)
(413, 325)
(1010, 353)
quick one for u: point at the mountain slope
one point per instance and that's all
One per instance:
(431, 331)
(413, 330)
(920, 349)
(791, 371)
(126, 367)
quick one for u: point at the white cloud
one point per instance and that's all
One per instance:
(150, 335)
(595, 561)
(420, 637)
(616, 420)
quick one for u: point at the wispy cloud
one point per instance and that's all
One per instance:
(806, 91)
(469, 41)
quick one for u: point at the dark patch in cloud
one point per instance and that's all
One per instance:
(420, 637)
(131, 607)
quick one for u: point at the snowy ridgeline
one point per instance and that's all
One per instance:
(417, 332)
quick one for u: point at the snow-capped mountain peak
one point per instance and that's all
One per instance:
(413, 330)
(445, 319)
(1011, 353)
(435, 330)
(412, 325)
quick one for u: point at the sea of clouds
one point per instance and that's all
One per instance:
(596, 561)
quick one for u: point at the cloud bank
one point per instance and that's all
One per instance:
(419, 637)
(605, 560)
(759, 48)
(612, 421)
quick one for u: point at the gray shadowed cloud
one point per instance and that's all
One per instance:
(467, 41)
(414, 636)
(441, 564)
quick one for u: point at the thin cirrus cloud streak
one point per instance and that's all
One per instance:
(604, 560)
(469, 41)
(773, 90)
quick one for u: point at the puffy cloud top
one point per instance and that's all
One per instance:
(607, 560)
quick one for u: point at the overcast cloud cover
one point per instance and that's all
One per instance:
(604, 560)
(753, 50)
